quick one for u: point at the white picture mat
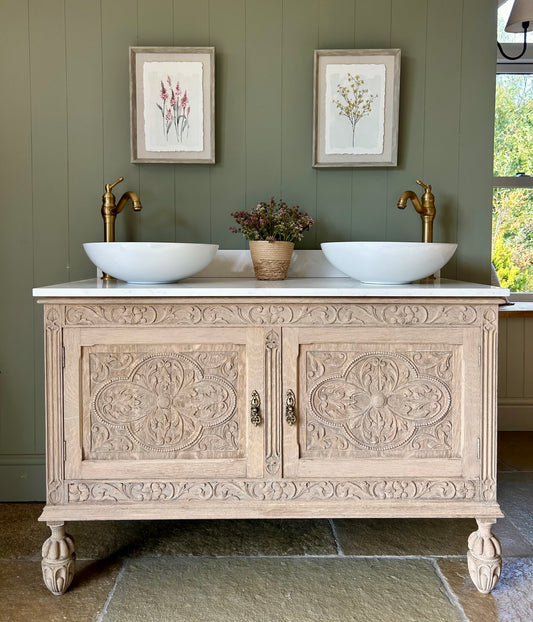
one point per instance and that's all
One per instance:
(370, 129)
(161, 134)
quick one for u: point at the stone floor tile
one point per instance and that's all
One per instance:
(98, 539)
(513, 542)
(510, 601)
(22, 535)
(238, 537)
(279, 590)
(515, 476)
(102, 539)
(439, 536)
(402, 536)
(516, 500)
(515, 450)
(24, 597)
(502, 467)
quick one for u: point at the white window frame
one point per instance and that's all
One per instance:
(522, 65)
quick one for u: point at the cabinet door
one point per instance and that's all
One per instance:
(157, 403)
(383, 402)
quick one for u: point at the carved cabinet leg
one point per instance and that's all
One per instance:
(484, 556)
(58, 559)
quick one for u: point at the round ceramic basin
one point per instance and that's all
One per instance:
(388, 263)
(150, 262)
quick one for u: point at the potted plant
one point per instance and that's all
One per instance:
(271, 229)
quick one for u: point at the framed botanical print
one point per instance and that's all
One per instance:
(172, 95)
(356, 105)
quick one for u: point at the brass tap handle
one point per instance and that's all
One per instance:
(421, 183)
(428, 199)
(255, 403)
(290, 408)
(109, 186)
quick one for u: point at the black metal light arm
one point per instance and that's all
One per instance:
(525, 26)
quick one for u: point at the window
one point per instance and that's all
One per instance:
(512, 214)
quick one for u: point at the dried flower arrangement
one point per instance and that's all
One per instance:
(273, 221)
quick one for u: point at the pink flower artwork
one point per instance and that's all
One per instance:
(175, 112)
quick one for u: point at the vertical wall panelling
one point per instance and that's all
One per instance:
(49, 140)
(85, 138)
(515, 357)
(515, 373)
(119, 32)
(528, 359)
(476, 138)
(502, 358)
(409, 31)
(334, 185)
(443, 107)
(50, 182)
(192, 182)
(16, 240)
(228, 176)
(300, 39)
(263, 99)
(156, 182)
(369, 185)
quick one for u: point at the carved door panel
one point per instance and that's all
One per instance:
(158, 402)
(383, 402)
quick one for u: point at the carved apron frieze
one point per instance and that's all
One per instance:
(224, 314)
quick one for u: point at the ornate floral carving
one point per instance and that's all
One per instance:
(245, 313)
(488, 489)
(490, 320)
(272, 340)
(319, 363)
(55, 492)
(273, 490)
(433, 362)
(106, 365)
(167, 403)
(53, 320)
(379, 402)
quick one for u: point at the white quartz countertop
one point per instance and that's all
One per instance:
(231, 274)
(249, 287)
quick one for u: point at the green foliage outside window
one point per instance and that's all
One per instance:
(512, 214)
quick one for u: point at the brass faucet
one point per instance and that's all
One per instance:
(426, 209)
(110, 211)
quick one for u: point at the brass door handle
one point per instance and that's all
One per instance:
(290, 408)
(255, 403)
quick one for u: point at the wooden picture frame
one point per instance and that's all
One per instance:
(356, 106)
(172, 105)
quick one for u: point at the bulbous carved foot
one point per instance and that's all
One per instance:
(58, 559)
(484, 557)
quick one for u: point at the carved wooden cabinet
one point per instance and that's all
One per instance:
(261, 407)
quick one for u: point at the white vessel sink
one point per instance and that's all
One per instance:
(150, 262)
(388, 263)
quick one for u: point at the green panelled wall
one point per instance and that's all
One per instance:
(64, 110)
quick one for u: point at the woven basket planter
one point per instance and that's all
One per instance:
(271, 259)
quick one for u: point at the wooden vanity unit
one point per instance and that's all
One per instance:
(236, 398)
